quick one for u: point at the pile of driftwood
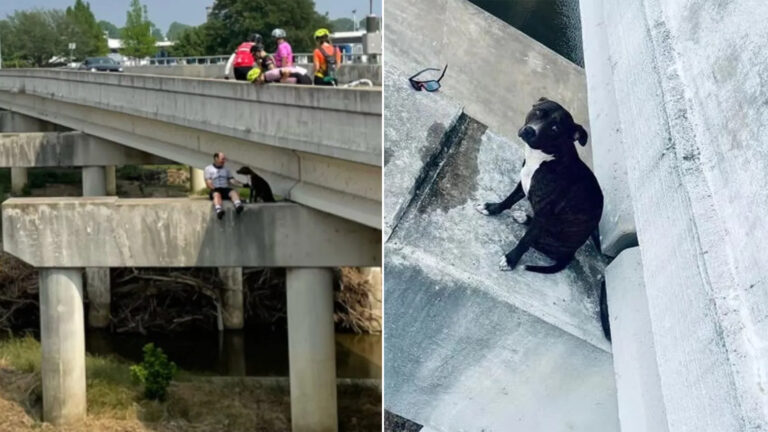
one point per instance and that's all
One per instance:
(168, 300)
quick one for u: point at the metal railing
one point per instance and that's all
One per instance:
(299, 58)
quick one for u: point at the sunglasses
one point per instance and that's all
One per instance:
(428, 85)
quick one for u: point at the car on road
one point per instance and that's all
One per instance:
(100, 64)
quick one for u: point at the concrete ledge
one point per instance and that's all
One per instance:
(347, 73)
(111, 232)
(68, 149)
(638, 386)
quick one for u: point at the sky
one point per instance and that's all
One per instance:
(164, 12)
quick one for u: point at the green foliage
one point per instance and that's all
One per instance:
(33, 37)
(175, 30)
(232, 21)
(155, 372)
(342, 24)
(156, 32)
(137, 33)
(22, 354)
(111, 29)
(81, 28)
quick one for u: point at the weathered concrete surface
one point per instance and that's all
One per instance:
(317, 146)
(690, 78)
(641, 405)
(97, 287)
(16, 122)
(94, 181)
(19, 180)
(494, 70)
(347, 73)
(617, 227)
(111, 232)
(232, 297)
(410, 140)
(62, 338)
(470, 347)
(311, 348)
(111, 174)
(68, 149)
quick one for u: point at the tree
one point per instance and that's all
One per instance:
(137, 33)
(190, 43)
(33, 38)
(82, 29)
(175, 30)
(111, 29)
(231, 21)
(156, 32)
(342, 24)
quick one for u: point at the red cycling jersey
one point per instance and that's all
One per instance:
(243, 57)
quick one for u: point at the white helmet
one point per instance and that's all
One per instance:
(278, 33)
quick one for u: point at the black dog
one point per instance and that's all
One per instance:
(566, 198)
(259, 187)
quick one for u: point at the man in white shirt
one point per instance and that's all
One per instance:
(219, 179)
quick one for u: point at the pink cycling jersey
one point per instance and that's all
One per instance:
(274, 75)
(284, 55)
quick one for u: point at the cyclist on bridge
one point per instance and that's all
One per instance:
(242, 59)
(326, 59)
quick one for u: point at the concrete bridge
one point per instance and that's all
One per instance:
(320, 148)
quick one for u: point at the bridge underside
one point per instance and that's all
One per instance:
(318, 147)
(112, 232)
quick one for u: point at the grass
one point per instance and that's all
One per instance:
(194, 403)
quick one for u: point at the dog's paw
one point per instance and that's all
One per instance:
(482, 209)
(503, 265)
(520, 217)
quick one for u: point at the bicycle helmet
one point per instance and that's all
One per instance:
(253, 74)
(256, 38)
(278, 33)
(322, 32)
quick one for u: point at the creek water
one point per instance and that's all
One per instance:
(252, 352)
(554, 23)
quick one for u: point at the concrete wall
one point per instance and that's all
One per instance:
(688, 80)
(469, 347)
(347, 73)
(317, 146)
(67, 149)
(112, 232)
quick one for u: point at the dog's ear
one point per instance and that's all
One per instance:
(543, 99)
(580, 134)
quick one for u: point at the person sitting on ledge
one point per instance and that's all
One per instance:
(219, 179)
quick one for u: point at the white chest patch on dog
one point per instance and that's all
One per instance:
(533, 159)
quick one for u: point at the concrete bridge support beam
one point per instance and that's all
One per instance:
(62, 337)
(196, 179)
(110, 172)
(97, 279)
(311, 348)
(19, 180)
(232, 297)
(94, 181)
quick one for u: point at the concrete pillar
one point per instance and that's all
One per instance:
(196, 179)
(311, 349)
(97, 279)
(234, 352)
(94, 181)
(638, 385)
(99, 297)
(232, 297)
(111, 179)
(19, 180)
(62, 336)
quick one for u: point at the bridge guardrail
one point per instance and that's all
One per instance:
(298, 58)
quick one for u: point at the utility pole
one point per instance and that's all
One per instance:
(371, 7)
(354, 20)
(1, 52)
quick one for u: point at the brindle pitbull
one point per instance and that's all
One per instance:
(566, 199)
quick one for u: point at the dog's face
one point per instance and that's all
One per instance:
(245, 171)
(550, 128)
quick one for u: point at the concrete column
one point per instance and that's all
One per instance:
(99, 296)
(234, 352)
(62, 336)
(311, 349)
(97, 279)
(196, 179)
(111, 179)
(232, 297)
(19, 180)
(638, 385)
(94, 181)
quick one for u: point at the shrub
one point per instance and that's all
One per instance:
(155, 372)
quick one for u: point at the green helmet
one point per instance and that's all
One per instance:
(253, 74)
(321, 32)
